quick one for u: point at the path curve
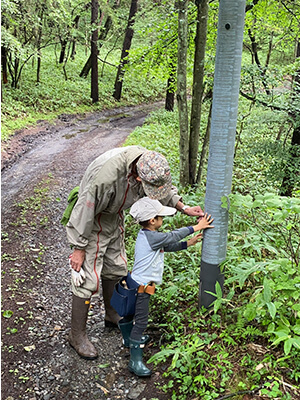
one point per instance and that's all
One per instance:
(37, 362)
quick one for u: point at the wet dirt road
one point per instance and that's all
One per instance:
(66, 149)
(37, 362)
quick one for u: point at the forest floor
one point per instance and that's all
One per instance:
(40, 166)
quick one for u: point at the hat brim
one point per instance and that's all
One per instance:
(166, 211)
(157, 192)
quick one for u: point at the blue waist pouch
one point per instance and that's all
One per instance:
(124, 296)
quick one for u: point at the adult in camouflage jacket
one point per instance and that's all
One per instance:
(95, 230)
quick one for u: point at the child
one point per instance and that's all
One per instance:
(148, 269)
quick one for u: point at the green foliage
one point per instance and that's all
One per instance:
(251, 334)
(266, 231)
(250, 339)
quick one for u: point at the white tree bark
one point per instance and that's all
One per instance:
(222, 139)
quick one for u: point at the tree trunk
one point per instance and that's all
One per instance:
(86, 69)
(39, 51)
(293, 167)
(181, 91)
(126, 47)
(198, 75)
(38, 68)
(94, 52)
(221, 147)
(4, 65)
(257, 61)
(15, 73)
(62, 51)
(170, 94)
(76, 25)
(291, 173)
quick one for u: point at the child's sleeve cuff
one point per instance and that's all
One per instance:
(191, 229)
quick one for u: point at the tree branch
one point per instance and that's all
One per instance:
(254, 99)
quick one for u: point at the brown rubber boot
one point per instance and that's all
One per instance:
(78, 338)
(111, 316)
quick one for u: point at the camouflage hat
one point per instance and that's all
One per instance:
(154, 171)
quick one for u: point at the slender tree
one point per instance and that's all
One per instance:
(125, 50)
(181, 91)
(198, 75)
(171, 84)
(222, 138)
(4, 64)
(103, 33)
(94, 52)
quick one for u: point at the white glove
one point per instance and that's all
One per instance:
(77, 277)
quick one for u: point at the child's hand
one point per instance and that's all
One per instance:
(204, 223)
(195, 239)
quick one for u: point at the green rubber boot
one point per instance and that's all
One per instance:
(136, 364)
(126, 328)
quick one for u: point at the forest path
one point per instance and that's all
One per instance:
(65, 148)
(37, 362)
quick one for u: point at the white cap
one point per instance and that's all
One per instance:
(146, 208)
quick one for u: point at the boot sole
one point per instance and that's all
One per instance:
(85, 357)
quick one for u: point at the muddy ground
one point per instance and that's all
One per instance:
(39, 168)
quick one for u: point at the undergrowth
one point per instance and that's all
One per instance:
(249, 342)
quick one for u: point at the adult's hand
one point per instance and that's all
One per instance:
(76, 259)
(195, 211)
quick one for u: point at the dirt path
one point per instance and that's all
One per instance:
(37, 363)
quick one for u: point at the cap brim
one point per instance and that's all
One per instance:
(157, 192)
(165, 211)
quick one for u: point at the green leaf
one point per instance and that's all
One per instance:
(267, 291)
(7, 313)
(271, 327)
(219, 290)
(296, 329)
(272, 309)
(296, 342)
(285, 321)
(273, 203)
(250, 312)
(282, 338)
(103, 365)
(288, 345)
(257, 203)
